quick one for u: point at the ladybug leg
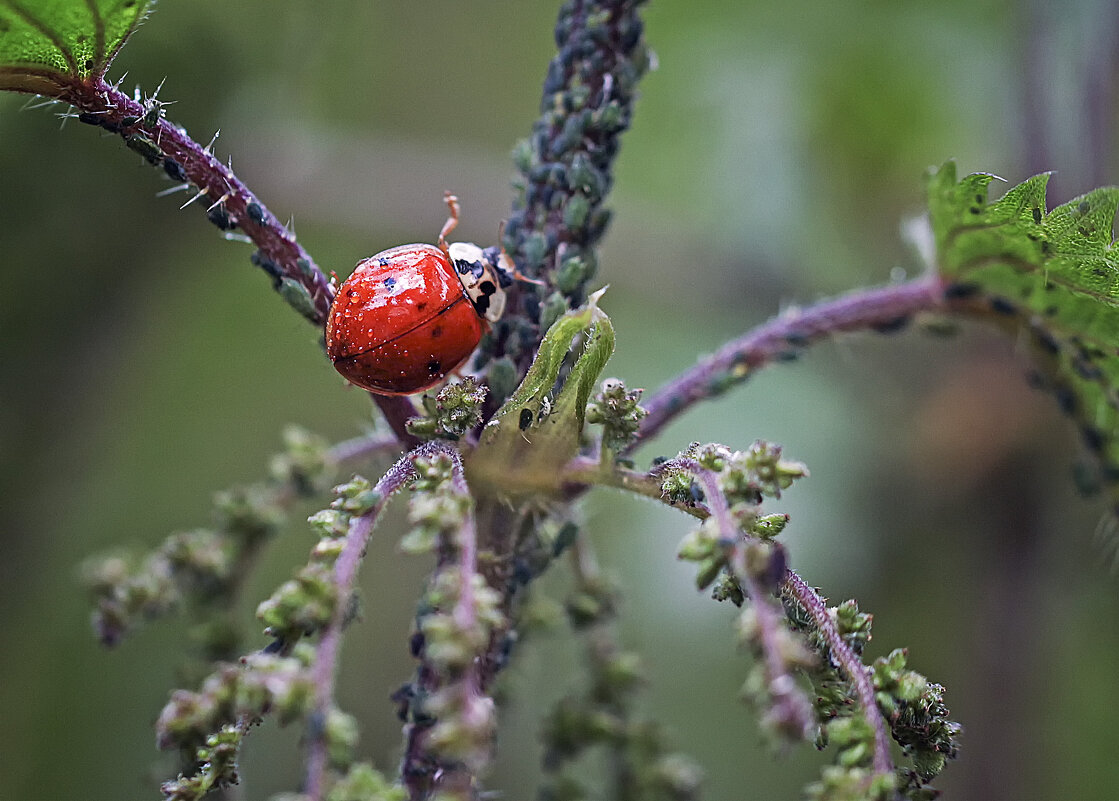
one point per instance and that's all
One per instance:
(451, 224)
(506, 264)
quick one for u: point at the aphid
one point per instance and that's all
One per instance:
(145, 147)
(174, 169)
(220, 217)
(411, 314)
(255, 212)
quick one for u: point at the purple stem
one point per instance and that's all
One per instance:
(326, 652)
(359, 447)
(453, 780)
(790, 706)
(857, 673)
(115, 110)
(465, 613)
(221, 191)
(884, 308)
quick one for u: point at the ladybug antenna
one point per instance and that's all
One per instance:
(451, 224)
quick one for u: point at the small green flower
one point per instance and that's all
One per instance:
(616, 409)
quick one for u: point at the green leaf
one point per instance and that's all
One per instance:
(1053, 274)
(533, 435)
(46, 45)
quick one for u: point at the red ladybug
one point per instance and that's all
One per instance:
(411, 314)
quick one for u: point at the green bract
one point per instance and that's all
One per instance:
(49, 43)
(533, 435)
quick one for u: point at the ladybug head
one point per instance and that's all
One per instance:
(484, 274)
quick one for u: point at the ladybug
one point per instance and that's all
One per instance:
(411, 314)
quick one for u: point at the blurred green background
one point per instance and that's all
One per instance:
(775, 153)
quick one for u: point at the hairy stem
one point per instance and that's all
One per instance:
(857, 673)
(228, 203)
(584, 472)
(790, 706)
(883, 308)
(465, 719)
(326, 653)
(360, 447)
(219, 189)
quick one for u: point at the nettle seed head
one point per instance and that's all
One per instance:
(766, 526)
(302, 605)
(435, 517)
(357, 497)
(340, 733)
(432, 471)
(769, 473)
(616, 409)
(451, 413)
(363, 783)
(854, 626)
(678, 486)
(712, 456)
(249, 513)
(330, 523)
(303, 464)
(202, 557)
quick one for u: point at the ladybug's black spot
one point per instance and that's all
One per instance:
(475, 268)
(434, 367)
(437, 331)
(389, 282)
(421, 306)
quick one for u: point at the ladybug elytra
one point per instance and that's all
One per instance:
(411, 314)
